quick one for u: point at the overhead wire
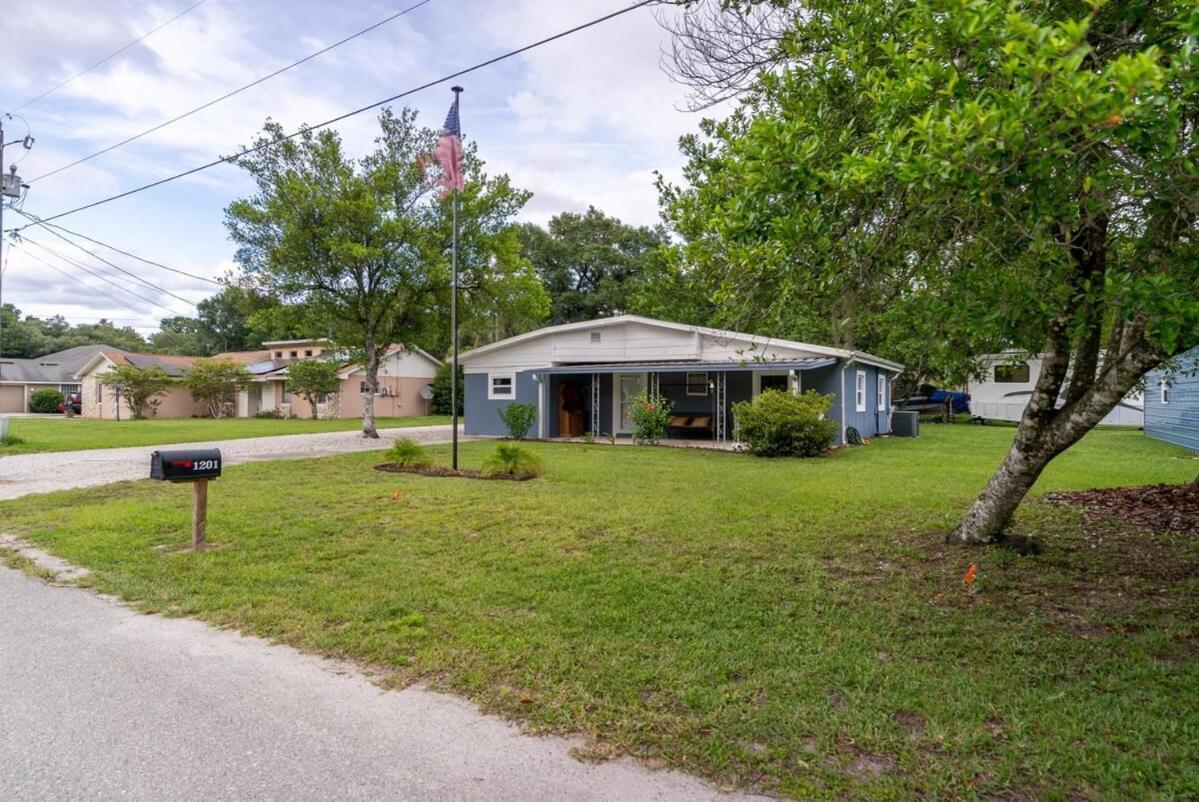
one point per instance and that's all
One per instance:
(107, 58)
(81, 282)
(96, 256)
(428, 84)
(232, 93)
(97, 274)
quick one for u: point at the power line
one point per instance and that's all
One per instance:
(96, 256)
(347, 115)
(92, 272)
(83, 283)
(110, 56)
(114, 248)
(228, 95)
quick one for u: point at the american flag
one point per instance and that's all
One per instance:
(449, 151)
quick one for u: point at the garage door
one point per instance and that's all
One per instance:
(12, 398)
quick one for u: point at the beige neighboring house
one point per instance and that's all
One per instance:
(21, 378)
(403, 375)
(98, 401)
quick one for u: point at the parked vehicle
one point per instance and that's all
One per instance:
(74, 402)
(928, 398)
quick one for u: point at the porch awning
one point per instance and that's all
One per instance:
(689, 367)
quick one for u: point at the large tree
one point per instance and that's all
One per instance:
(364, 244)
(591, 264)
(982, 174)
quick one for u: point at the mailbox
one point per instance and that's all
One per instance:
(188, 465)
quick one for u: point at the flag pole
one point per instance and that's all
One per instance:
(457, 90)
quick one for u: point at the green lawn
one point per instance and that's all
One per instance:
(56, 433)
(795, 626)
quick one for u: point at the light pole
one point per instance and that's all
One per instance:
(10, 187)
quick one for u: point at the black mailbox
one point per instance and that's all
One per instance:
(186, 465)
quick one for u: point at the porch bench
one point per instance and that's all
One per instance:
(690, 423)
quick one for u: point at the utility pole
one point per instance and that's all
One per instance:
(457, 90)
(10, 187)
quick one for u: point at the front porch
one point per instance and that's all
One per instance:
(575, 400)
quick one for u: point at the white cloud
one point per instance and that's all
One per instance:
(583, 121)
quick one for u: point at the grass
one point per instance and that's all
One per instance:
(56, 433)
(790, 625)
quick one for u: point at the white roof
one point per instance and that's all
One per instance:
(752, 341)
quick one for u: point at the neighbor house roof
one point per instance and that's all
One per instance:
(173, 365)
(59, 367)
(753, 340)
(354, 367)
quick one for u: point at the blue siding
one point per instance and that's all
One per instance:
(870, 423)
(1177, 421)
(826, 380)
(482, 415)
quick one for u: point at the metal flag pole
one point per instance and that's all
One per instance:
(457, 90)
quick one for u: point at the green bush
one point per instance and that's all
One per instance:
(518, 419)
(11, 440)
(45, 401)
(779, 424)
(650, 415)
(440, 405)
(409, 454)
(510, 459)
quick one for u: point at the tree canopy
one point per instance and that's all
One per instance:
(27, 336)
(938, 179)
(363, 244)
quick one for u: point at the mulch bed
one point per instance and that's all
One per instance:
(1159, 508)
(391, 467)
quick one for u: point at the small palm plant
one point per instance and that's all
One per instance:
(512, 460)
(408, 453)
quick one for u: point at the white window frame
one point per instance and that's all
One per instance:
(881, 391)
(1165, 391)
(859, 390)
(492, 395)
(704, 383)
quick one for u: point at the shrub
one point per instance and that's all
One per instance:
(267, 413)
(650, 415)
(518, 419)
(440, 405)
(409, 454)
(510, 459)
(779, 424)
(11, 440)
(45, 401)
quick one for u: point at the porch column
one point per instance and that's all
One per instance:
(595, 405)
(721, 402)
(542, 389)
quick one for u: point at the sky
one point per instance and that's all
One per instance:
(583, 121)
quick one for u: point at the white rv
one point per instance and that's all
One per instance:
(1008, 382)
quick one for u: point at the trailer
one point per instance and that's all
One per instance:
(1007, 385)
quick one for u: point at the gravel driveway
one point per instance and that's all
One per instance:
(42, 473)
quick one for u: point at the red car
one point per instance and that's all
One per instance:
(74, 401)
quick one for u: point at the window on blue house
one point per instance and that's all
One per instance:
(501, 386)
(697, 384)
(1165, 388)
(882, 392)
(860, 391)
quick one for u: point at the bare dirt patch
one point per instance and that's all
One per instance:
(1159, 508)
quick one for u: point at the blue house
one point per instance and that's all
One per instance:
(581, 377)
(1172, 402)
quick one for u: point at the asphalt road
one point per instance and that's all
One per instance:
(23, 474)
(99, 702)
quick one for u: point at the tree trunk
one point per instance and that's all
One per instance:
(1045, 432)
(372, 381)
(312, 403)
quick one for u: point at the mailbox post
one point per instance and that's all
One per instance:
(197, 466)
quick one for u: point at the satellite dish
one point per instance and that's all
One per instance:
(426, 392)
